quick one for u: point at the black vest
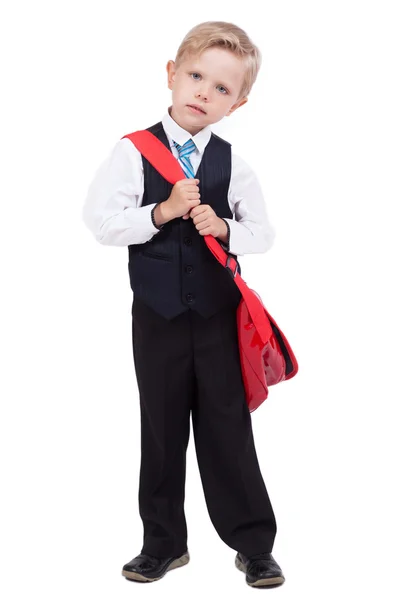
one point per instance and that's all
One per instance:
(175, 271)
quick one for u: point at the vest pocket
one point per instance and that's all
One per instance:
(156, 255)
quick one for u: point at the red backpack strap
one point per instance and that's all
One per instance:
(157, 154)
(168, 166)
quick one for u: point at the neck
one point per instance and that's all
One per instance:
(189, 128)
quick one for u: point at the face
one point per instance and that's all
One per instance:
(212, 81)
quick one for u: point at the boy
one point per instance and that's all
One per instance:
(184, 330)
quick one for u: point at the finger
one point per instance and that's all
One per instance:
(206, 231)
(189, 181)
(202, 219)
(202, 224)
(199, 209)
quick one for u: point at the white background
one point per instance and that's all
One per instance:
(321, 130)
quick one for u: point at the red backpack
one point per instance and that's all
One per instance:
(265, 354)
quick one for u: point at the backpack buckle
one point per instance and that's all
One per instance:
(227, 266)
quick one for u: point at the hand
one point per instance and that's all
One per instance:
(206, 221)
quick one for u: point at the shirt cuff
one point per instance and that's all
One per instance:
(226, 246)
(158, 227)
(246, 240)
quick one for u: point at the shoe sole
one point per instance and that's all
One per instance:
(260, 582)
(178, 562)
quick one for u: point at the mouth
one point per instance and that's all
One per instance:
(196, 109)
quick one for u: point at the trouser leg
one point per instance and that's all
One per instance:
(237, 499)
(164, 370)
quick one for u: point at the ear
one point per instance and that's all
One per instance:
(236, 106)
(171, 73)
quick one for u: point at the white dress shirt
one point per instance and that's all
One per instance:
(113, 208)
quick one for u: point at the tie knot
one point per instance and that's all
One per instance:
(186, 149)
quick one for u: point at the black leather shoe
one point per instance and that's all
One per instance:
(150, 568)
(261, 569)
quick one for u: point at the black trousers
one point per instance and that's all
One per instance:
(191, 365)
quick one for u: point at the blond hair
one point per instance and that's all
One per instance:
(224, 35)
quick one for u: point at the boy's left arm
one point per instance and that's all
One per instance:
(251, 231)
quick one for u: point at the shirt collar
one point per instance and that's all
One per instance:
(180, 135)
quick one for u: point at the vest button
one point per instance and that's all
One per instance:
(188, 241)
(189, 297)
(189, 269)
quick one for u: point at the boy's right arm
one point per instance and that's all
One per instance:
(112, 209)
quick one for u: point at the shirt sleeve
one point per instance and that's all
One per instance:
(112, 209)
(251, 231)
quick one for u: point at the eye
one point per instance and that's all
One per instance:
(220, 86)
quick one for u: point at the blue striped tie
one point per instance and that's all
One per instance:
(184, 156)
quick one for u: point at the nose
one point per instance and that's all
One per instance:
(202, 94)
